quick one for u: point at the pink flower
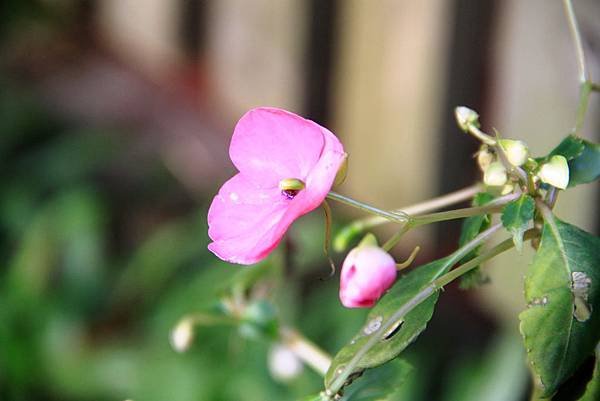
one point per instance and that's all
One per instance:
(287, 165)
(368, 271)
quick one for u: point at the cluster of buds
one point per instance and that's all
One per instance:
(499, 158)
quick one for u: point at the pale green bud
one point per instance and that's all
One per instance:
(516, 151)
(340, 177)
(484, 158)
(466, 117)
(182, 336)
(495, 175)
(507, 189)
(555, 172)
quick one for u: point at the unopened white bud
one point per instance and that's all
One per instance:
(516, 151)
(284, 365)
(484, 158)
(466, 117)
(495, 175)
(182, 336)
(555, 172)
(507, 189)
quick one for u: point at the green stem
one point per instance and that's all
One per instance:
(580, 54)
(495, 206)
(422, 207)
(584, 98)
(397, 217)
(454, 214)
(482, 136)
(305, 350)
(422, 295)
(390, 243)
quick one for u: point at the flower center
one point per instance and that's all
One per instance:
(291, 186)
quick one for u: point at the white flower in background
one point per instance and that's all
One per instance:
(284, 365)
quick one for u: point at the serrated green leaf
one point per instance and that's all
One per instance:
(471, 227)
(586, 166)
(380, 384)
(401, 333)
(516, 216)
(570, 148)
(592, 390)
(561, 325)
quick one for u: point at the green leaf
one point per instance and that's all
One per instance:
(592, 391)
(561, 325)
(471, 227)
(583, 158)
(496, 374)
(401, 333)
(570, 148)
(516, 216)
(586, 166)
(259, 321)
(380, 384)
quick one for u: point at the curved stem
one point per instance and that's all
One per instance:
(422, 295)
(397, 217)
(580, 54)
(492, 207)
(390, 243)
(305, 350)
(425, 206)
(584, 99)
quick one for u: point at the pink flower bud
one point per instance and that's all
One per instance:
(367, 273)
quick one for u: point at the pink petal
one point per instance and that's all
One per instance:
(270, 144)
(367, 272)
(250, 215)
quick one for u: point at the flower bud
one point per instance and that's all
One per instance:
(495, 175)
(466, 117)
(555, 172)
(367, 272)
(182, 336)
(516, 152)
(484, 158)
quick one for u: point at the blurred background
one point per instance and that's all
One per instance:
(115, 118)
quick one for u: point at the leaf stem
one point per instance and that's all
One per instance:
(579, 52)
(584, 98)
(422, 207)
(397, 217)
(305, 350)
(422, 295)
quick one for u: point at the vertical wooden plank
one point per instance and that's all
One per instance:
(386, 99)
(256, 51)
(144, 34)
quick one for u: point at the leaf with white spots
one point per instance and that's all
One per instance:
(398, 334)
(561, 325)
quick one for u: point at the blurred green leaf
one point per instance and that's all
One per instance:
(259, 321)
(585, 167)
(561, 325)
(500, 374)
(592, 391)
(403, 332)
(516, 216)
